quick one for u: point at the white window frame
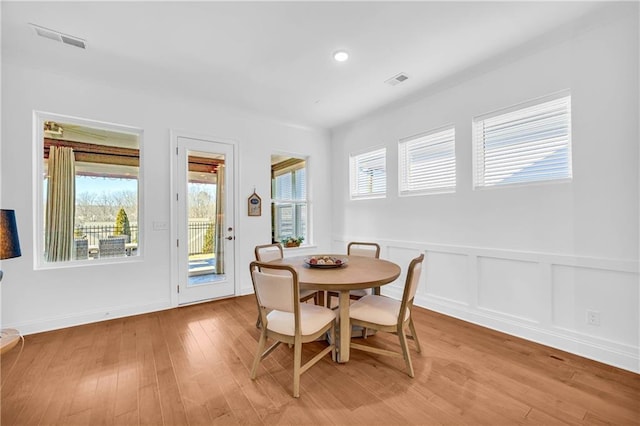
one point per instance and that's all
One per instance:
(354, 182)
(558, 103)
(306, 200)
(39, 117)
(436, 176)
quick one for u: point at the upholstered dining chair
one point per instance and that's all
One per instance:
(357, 248)
(269, 252)
(394, 316)
(286, 320)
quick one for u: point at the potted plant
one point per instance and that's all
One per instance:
(292, 241)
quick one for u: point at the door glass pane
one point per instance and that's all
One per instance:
(206, 217)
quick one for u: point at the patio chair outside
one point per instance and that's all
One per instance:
(111, 247)
(81, 248)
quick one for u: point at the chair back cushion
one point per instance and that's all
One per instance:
(274, 291)
(413, 279)
(268, 253)
(363, 249)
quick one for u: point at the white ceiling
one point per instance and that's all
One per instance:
(275, 58)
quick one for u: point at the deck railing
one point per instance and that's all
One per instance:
(197, 235)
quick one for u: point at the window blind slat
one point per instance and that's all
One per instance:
(426, 163)
(368, 174)
(524, 145)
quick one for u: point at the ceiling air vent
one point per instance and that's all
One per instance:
(58, 36)
(397, 79)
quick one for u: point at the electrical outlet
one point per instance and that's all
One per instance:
(593, 318)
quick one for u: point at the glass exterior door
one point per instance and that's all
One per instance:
(205, 220)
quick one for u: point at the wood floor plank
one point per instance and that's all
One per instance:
(149, 407)
(191, 366)
(126, 403)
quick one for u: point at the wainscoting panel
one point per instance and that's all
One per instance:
(542, 297)
(510, 287)
(445, 277)
(400, 255)
(611, 295)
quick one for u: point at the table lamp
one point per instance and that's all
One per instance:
(9, 247)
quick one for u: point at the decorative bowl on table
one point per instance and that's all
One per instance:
(324, 261)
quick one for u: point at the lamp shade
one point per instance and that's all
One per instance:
(9, 243)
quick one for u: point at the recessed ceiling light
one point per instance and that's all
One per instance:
(340, 56)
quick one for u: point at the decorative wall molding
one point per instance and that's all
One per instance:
(542, 297)
(58, 322)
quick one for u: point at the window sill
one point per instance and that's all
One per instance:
(302, 247)
(88, 262)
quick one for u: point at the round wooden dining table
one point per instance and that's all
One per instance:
(359, 272)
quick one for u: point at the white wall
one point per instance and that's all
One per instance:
(526, 260)
(37, 300)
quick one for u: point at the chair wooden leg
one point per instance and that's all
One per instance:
(405, 352)
(256, 361)
(258, 322)
(414, 334)
(297, 361)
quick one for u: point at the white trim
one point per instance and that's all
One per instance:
(174, 134)
(38, 119)
(403, 165)
(525, 104)
(87, 317)
(352, 159)
(606, 351)
(427, 133)
(540, 329)
(308, 186)
(509, 160)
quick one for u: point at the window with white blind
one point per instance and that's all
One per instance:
(427, 162)
(368, 174)
(530, 142)
(289, 204)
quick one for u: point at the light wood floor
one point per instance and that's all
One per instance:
(191, 366)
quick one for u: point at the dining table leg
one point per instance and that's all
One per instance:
(345, 326)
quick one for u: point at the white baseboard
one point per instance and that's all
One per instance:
(601, 350)
(55, 323)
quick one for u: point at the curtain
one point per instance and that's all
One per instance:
(220, 223)
(61, 204)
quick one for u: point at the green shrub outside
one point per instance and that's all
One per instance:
(207, 246)
(122, 224)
